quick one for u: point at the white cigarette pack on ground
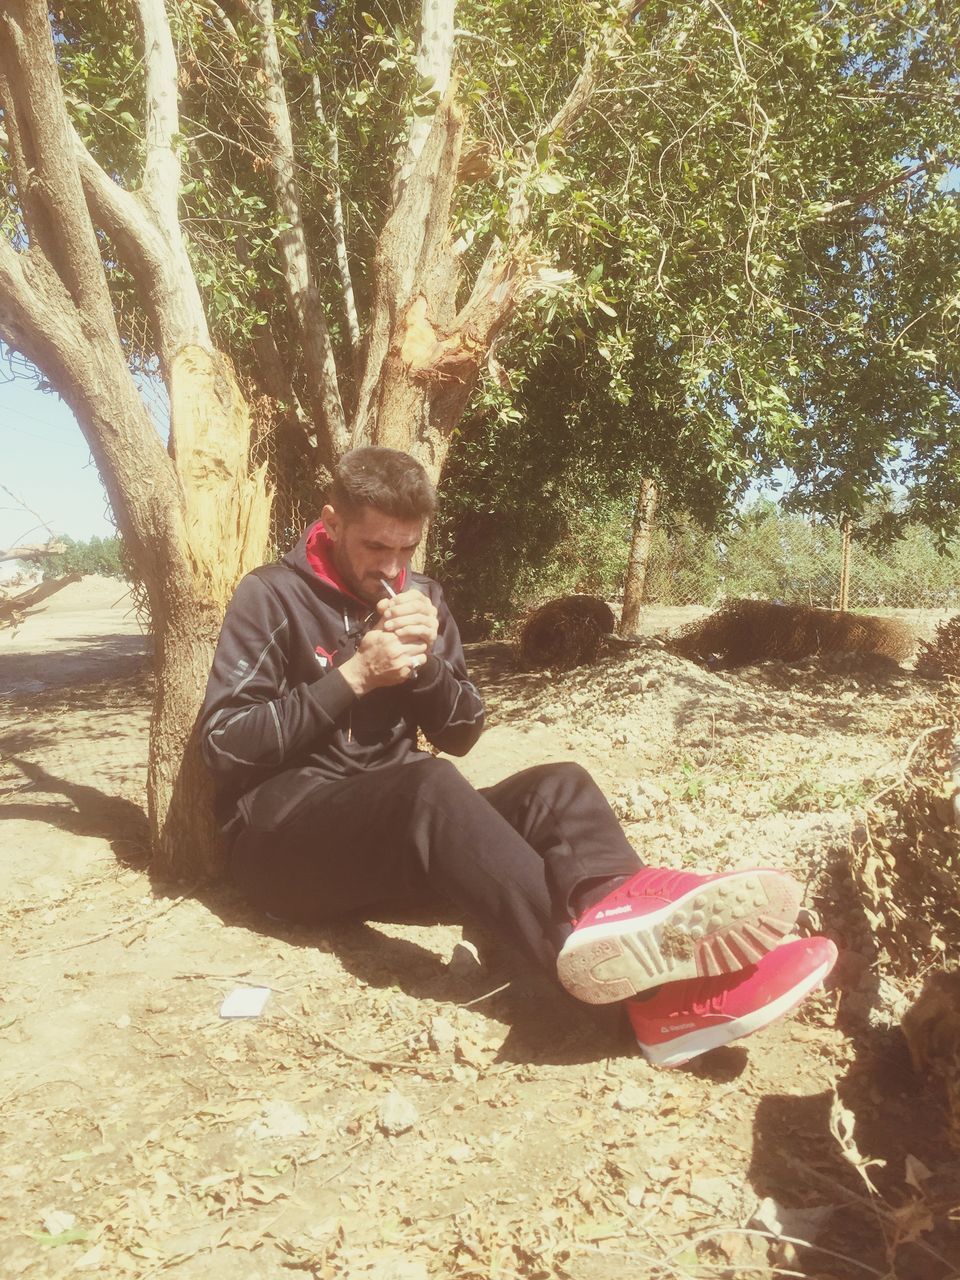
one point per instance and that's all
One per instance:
(245, 1002)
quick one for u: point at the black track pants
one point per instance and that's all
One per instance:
(512, 856)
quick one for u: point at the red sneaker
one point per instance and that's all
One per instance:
(685, 1019)
(667, 926)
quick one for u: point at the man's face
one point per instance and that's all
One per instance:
(369, 546)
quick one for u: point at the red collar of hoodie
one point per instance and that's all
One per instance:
(319, 551)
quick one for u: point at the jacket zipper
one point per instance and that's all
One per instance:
(346, 627)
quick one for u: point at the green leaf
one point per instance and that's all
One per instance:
(551, 184)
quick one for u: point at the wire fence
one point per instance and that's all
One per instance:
(798, 561)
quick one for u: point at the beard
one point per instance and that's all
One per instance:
(366, 588)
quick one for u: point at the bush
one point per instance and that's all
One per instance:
(940, 657)
(565, 633)
(908, 863)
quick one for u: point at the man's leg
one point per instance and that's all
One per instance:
(563, 814)
(590, 866)
(384, 833)
(520, 858)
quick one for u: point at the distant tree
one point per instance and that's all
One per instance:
(769, 262)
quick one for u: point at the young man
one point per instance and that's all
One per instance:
(328, 664)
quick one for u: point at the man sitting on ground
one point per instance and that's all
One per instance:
(329, 663)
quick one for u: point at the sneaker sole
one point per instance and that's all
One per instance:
(675, 1053)
(716, 928)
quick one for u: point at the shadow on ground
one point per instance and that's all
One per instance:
(799, 1162)
(884, 1112)
(120, 822)
(26, 672)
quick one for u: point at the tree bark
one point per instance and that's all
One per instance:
(337, 220)
(423, 350)
(222, 534)
(843, 591)
(422, 355)
(641, 538)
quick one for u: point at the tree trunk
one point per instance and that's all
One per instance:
(185, 838)
(843, 594)
(195, 521)
(640, 540)
(223, 534)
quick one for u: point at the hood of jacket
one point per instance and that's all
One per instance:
(313, 556)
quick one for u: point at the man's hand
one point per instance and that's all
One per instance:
(411, 617)
(382, 659)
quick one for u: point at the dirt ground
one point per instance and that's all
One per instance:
(401, 1108)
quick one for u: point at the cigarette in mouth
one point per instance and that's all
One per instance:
(387, 588)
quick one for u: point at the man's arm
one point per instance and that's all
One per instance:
(250, 719)
(447, 706)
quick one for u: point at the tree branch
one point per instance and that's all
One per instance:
(496, 270)
(34, 305)
(413, 253)
(161, 169)
(32, 553)
(434, 62)
(55, 307)
(15, 609)
(339, 227)
(319, 364)
(272, 376)
(41, 524)
(160, 267)
(863, 197)
(45, 171)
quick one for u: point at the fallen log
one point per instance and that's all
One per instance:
(13, 609)
(564, 633)
(33, 553)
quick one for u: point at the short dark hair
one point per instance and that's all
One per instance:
(386, 479)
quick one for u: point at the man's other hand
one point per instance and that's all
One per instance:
(411, 617)
(382, 659)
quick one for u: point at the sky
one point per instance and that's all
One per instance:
(45, 463)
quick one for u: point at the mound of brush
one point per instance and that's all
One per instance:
(746, 631)
(564, 633)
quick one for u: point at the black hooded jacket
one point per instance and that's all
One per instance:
(278, 717)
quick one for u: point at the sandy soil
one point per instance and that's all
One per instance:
(88, 629)
(399, 1110)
